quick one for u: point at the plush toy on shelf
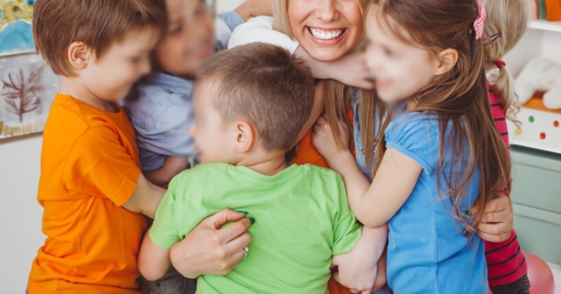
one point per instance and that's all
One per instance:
(540, 117)
(540, 75)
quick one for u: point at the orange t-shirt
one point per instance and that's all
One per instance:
(307, 153)
(89, 169)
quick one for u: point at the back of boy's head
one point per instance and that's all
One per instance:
(505, 26)
(264, 85)
(97, 23)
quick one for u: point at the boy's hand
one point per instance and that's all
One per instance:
(324, 141)
(496, 225)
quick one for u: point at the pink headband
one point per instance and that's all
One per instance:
(479, 24)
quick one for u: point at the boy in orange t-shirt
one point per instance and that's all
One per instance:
(93, 193)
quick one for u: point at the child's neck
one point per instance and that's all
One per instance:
(266, 165)
(72, 87)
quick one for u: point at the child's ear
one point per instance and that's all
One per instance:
(447, 59)
(79, 55)
(245, 137)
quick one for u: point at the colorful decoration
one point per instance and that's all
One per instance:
(16, 35)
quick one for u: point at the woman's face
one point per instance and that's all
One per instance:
(326, 29)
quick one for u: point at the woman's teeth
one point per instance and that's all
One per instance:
(326, 35)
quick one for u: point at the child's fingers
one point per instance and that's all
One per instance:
(496, 217)
(223, 217)
(497, 229)
(494, 238)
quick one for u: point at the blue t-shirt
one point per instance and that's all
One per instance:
(427, 251)
(163, 110)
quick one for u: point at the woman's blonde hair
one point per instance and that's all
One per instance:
(338, 95)
(505, 26)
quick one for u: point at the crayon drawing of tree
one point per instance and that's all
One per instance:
(23, 93)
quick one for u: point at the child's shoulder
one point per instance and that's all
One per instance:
(413, 126)
(319, 173)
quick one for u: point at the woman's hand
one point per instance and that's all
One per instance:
(324, 141)
(350, 69)
(210, 250)
(496, 225)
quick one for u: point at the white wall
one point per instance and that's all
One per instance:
(20, 213)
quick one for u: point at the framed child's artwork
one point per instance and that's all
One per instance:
(27, 87)
(27, 84)
(16, 35)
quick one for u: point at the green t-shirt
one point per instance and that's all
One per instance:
(302, 220)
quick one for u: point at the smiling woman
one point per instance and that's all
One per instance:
(327, 30)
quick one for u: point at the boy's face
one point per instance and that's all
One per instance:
(189, 40)
(213, 137)
(112, 76)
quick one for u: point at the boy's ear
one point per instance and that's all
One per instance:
(447, 59)
(245, 137)
(79, 55)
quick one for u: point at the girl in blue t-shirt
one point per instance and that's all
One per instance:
(439, 153)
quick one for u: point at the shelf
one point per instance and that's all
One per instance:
(552, 26)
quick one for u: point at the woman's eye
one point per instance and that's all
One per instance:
(135, 59)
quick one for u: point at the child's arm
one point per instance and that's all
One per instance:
(252, 8)
(145, 198)
(99, 165)
(172, 166)
(154, 255)
(358, 270)
(350, 70)
(153, 260)
(373, 205)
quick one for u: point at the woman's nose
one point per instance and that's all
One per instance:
(326, 10)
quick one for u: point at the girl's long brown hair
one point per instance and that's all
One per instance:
(459, 98)
(338, 95)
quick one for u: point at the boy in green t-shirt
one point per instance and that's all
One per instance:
(250, 104)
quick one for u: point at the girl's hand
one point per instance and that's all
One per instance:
(497, 222)
(323, 140)
(210, 250)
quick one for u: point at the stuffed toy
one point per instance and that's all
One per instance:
(540, 74)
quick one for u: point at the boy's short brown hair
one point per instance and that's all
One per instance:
(98, 23)
(267, 86)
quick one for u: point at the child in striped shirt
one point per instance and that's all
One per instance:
(505, 26)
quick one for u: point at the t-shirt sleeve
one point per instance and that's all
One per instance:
(345, 227)
(100, 165)
(169, 135)
(225, 24)
(416, 137)
(164, 231)
(260, 29)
